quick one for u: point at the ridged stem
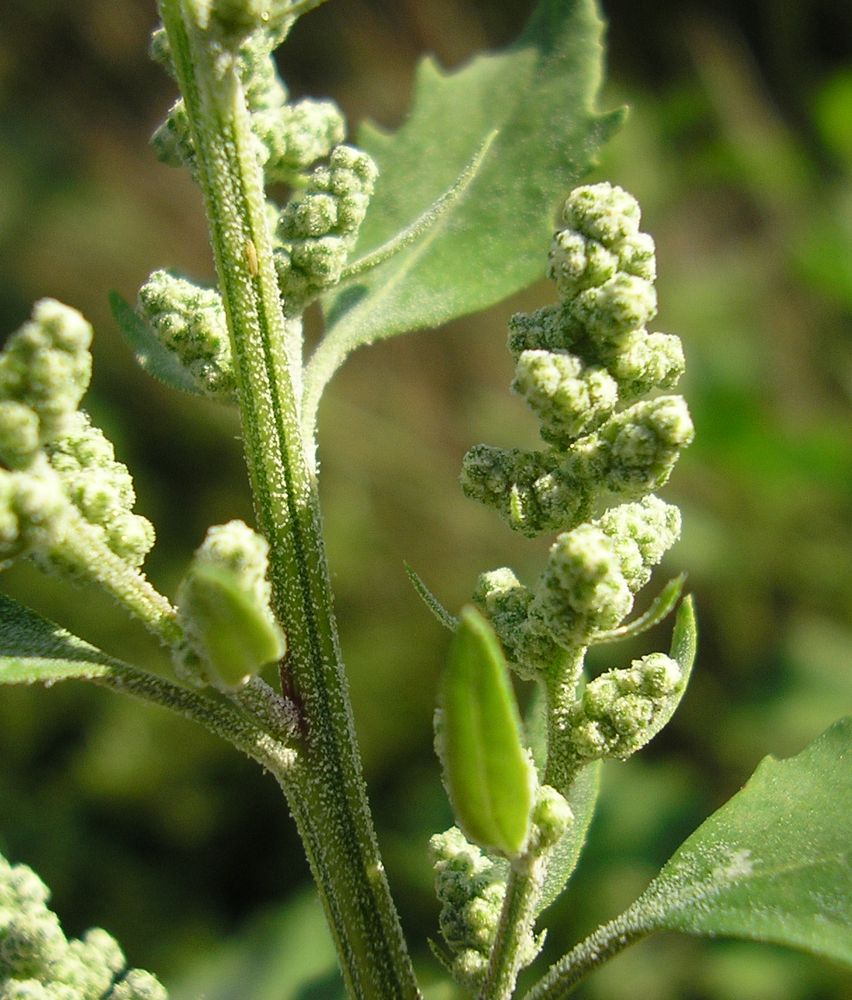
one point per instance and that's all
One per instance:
(516, 921)
(324, 786)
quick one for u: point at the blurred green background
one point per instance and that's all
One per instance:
(739, 147)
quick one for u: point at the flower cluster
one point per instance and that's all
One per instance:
(38, 962)
(580, 365)
(471, 886)
(189, 321)
(59, 469)
(620, 710)
(224, 609)
(577, 362)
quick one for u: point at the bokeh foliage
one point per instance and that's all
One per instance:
(739, 148)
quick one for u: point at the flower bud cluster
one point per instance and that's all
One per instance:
(189, 321)
(621, 710)
(224, 609)
(318, 228)
(56, 461)
(581, 365)
(470, 887)
(37, 961)
(45, 369)
(587, 586)
(298, 144)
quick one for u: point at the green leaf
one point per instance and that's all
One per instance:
(233, 635)
(539, 95)
(683, 647)
(155, 359)
(773, 863)
(488, 774)
(33, 650)
(582, 797)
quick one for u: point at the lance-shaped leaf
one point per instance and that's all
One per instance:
(34, 651)
(539, 96)
(773, 864)
(488, 774)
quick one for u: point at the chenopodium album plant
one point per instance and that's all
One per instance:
(461, 216)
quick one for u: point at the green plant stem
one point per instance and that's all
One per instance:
(216, 716)
(516, 919)
(84, 553)
(560, 686)
(598, 948)
(324, 787)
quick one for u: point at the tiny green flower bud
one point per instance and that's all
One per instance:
(567, 396)
(612, 310)
(20, 437)
(576, 262)
(552, 816)
(138, 985)
(636, 255)
(604, 212)
(295, 136)
(172, 140)
(640, 445)
(469, 968)
(549, 328)
(33, 511)
(91, 964)
(223, 606)
(643, 361)
(582, 589)
(160, 50)
(46, 366)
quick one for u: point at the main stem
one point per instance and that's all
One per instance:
(324, 785)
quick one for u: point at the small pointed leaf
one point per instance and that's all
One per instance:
(773, 864)
(661, 606)
(432, 603)
(488, 774)
(155, 359)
